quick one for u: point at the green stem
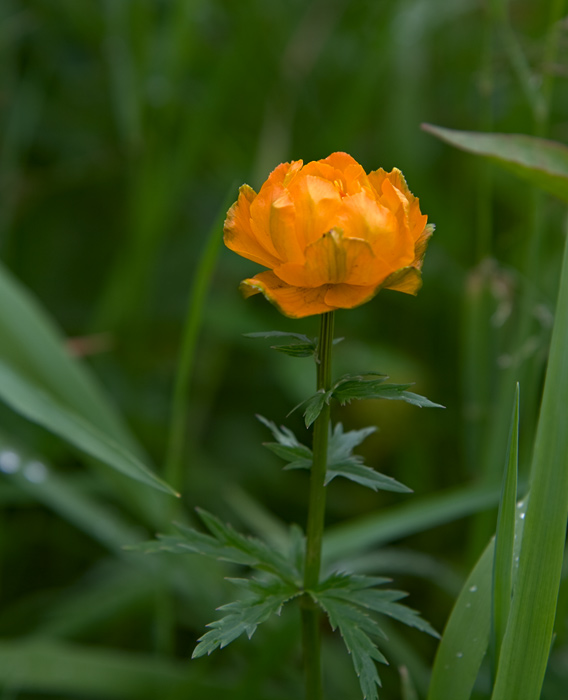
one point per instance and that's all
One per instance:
(316, 512)
(193, 323)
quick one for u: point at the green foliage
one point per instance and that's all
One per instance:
(348, 600)
(466, 637)
(340, 460)
(541, 162)
(530, 626)
(225, 544)
(36, 405)
(503, 565)
(306, 347)
(361, 386)
(244, 616)
(39, 380)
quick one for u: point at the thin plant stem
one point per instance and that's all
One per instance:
(178, 422)
(175, 449)
(316, 511)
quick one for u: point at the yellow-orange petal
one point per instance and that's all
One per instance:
(317, 203)
(362, 217)
(421, 245)
(283, 173)
(295, 302)
(348, 296)
(334, 259)
(341, 161)
(407, 280)
(238, 233)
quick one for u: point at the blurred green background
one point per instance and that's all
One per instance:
(126, 128)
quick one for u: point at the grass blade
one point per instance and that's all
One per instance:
(541, 162)
(527, 640)
(505, 537)
(39, 407)
(406, 519)
(466, 637)
(30, 343)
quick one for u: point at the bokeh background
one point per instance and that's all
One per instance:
(126, 128)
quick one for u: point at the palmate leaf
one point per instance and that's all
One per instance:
(340, 460)
(225, 544)
(245, 615)
(348, 600)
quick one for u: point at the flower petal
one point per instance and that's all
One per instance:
(317, 203)
(407, 280)
(334, 259)
(239, 236)
(347, 296)
(363, 217)
(295, 302)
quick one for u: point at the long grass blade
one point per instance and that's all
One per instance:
(400, 521)
(466, 637)
(505, 536)
(39, 407)
(541, 162)
(527, 640)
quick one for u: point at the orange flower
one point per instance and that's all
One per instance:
(330, 235)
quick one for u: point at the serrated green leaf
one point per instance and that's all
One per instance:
(294, 456)
(340, 461)
(341, 444)
(288, 447)
(314, 406)
(384, 602)
(283, 434)
(306, 347)
(365, 476)
(543, 163)
(225, 544)
(362, 591)
(359, 387)
(296, 350)
(356, 629)
(245, 615)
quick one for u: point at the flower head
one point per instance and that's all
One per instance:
(330, 235)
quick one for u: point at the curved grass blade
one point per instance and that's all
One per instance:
(543, 163)
(361, 534)
(31, 344)
(41, 408)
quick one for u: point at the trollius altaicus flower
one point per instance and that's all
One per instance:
(330, 235)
